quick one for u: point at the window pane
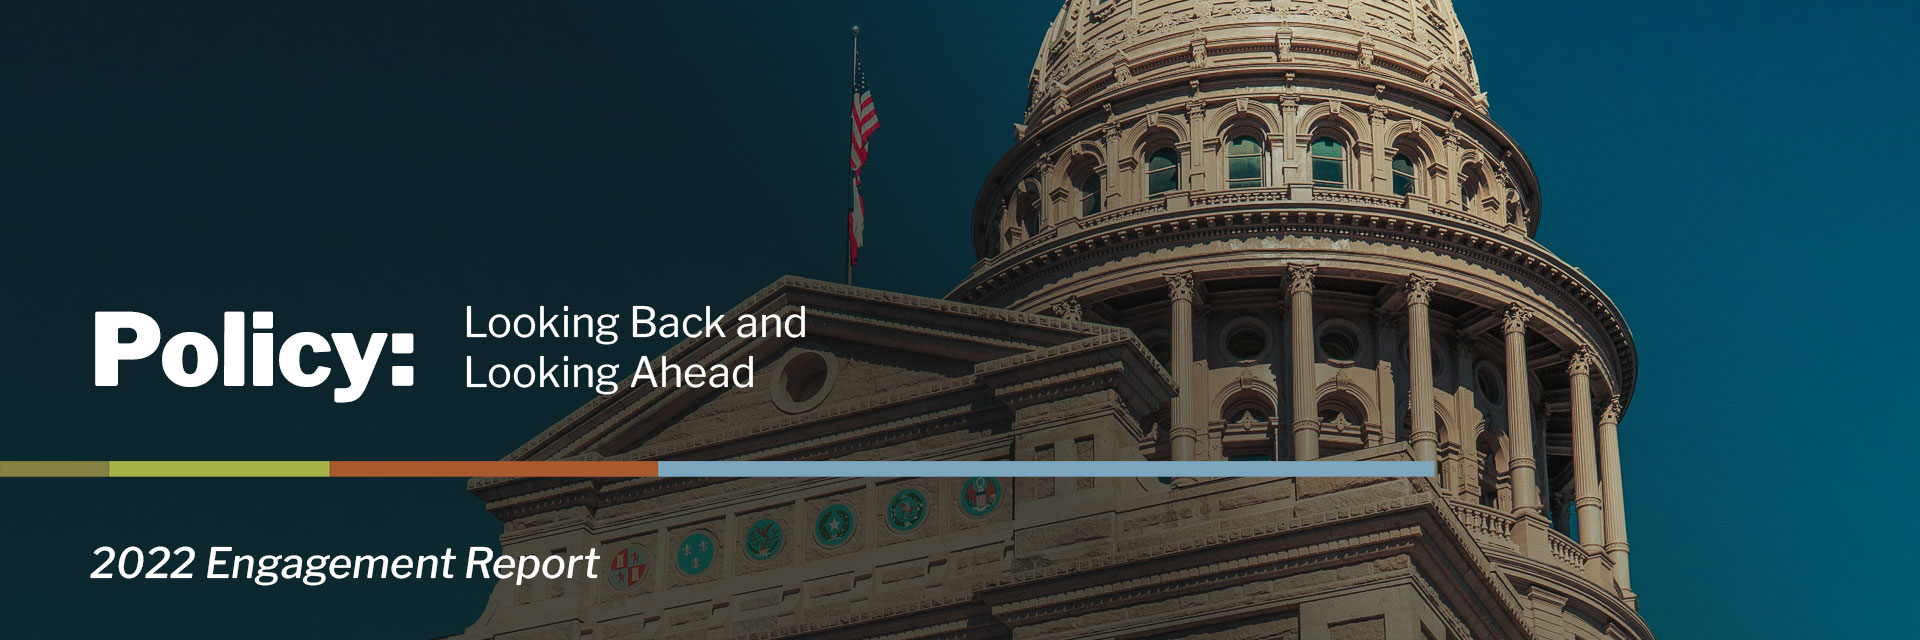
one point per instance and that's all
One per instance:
(1402, 165)
(1163, 180)
(1243, 146)
(1243, 168)
(1243, 184)
(1402, 185)
(1328, 171)
(1090, 204)
(1163, 159)
(1329, 148)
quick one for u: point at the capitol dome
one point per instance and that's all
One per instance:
(1306, 211)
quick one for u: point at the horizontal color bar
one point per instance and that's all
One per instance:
(717, 469)
(216, 469)
(53, 469)
(499, 469)
(1044, 469)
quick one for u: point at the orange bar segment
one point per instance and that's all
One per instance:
(496, 469)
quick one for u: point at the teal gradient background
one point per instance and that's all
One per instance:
(1735, 175)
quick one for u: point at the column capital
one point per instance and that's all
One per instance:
(1612, 413)
(1182, 285)
(1420, 289)
(1516, 319)
(1580, 362)
(1301, 280)
(1068, 309)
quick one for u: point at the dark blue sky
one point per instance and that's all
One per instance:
(1729, 172)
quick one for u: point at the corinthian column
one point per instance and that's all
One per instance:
(1180, 285)
(1526, 492)
(1615, 498)
(1306, 423)
(1586, 473)
(1420, 361)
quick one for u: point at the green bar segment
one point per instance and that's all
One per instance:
(53, 468)
(219, 469)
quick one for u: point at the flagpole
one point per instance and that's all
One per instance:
(853, 130)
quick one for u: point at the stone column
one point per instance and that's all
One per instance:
(1615, 499)
(1586, 473)
(1181, 287)
(1526, 491)
(1420, 364)
(1306, 421)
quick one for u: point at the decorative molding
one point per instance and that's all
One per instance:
(1611, 416)
(1515, 320)
(1580, 363)
(1300, 278)
(1068, 309)
(1181, 286)
(1420, 289)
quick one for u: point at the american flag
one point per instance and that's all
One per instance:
(865, 121)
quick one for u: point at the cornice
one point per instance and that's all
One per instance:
(1130, 232)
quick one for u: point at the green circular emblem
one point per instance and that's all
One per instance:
(695, 554)
(764, 540)
(834, 527)
(979, 496)
(906, 510)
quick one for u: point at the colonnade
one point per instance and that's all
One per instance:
(1599, 502)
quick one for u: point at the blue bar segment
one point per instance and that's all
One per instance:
(1044, 469)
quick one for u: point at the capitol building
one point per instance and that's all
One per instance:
(1226, 230)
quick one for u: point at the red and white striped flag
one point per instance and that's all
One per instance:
(865, 121)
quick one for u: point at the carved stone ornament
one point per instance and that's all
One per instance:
(1581, 362)
(1068, 309)
(1302, 277)
(1180, 285)
(1612, 414)
(1516, 319)
(1420, 289)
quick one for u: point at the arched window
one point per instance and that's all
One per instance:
(1329, 163)
(1026, 213)
(1090, 194)
(1489, 479)
(1471, 186)
(1163, 171)
(1244, 157)
(1245, 412)
(1403, 176)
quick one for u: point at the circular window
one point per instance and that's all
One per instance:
(1163, 352)
(1246, 343)
(1489, 385)
(1338, 344)
(803, 382)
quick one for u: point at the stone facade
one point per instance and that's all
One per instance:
(1229, 229)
